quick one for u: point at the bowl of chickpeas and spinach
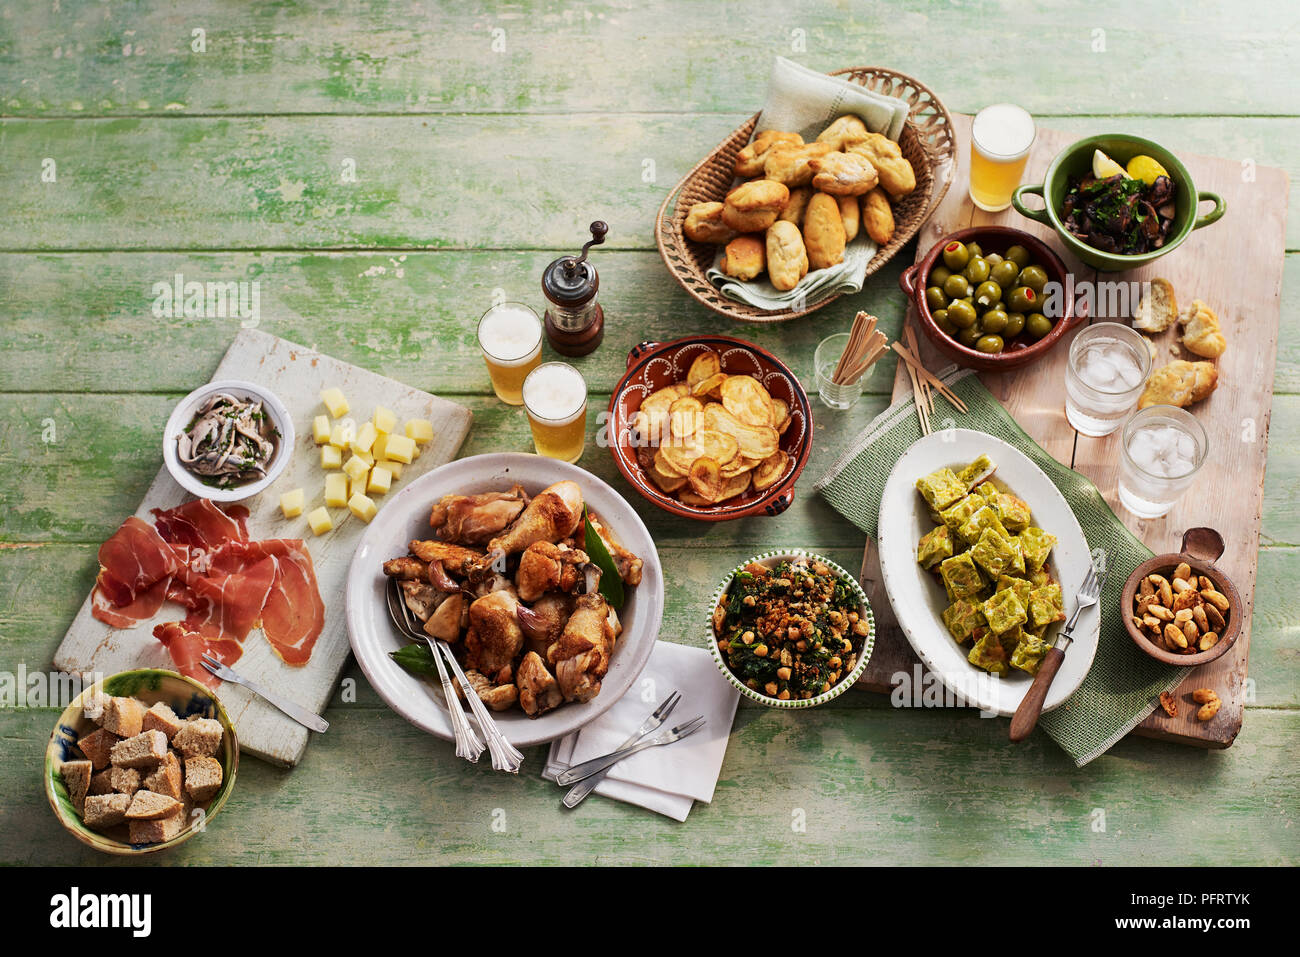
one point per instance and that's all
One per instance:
(791, 629)
(991, 297)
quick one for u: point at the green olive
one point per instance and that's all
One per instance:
(974, 249)
(1005, 274)
(961, 314)
(938, 276)
(956, 256)
(1015, 325)
(988, 293)
(994, 321)
(935, 298)
(968, 337)
(1019, 255)
(943, 322)
(1035, 277)
(956, 287)
(1023, 299)
(993, 259)
(977, 270)
(989, 344)
(1037, 325)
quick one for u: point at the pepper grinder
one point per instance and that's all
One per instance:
(575, 322)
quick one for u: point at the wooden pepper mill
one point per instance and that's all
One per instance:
(575, 322)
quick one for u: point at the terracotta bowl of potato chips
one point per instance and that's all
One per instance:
(710, 427)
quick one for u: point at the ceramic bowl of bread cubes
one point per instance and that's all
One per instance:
(141, 762)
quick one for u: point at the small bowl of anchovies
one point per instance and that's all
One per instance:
(228, 440)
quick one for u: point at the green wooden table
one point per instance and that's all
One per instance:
(382, 169)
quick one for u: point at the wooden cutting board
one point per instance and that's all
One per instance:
(297, 375)
(1235, 266)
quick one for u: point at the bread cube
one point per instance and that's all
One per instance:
(124, 780)
(122, 717)
(160, 717)
(101, 782)
(144, 750)
(151, 806)
(96, 746)
(202, 778)
(166, 778)
(335, 402)
(106, 810)
(76, 778)
(155, 832)
(198, 736)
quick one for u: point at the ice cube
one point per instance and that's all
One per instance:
(1186, 447)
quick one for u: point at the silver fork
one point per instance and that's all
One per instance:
(586, 769)
(300, 714)
(1026, 716)
(468, 745)
(505, 756)
(580, 790)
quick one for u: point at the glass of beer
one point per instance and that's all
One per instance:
(1000, 139)
(510, 335)
(555, 398)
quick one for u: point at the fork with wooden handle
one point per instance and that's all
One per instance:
(1031, 706)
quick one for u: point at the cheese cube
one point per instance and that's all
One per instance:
(336, 490)
(419, 429)
(365, 438)
(358, 485)
(394, 469)
(330, 457)
(380, 480)
(320, 429)
(342, 434)
(362, 507)
(335, 402)
(385, 421)
(380, 449)
(356, 467)
(291, 503)
(320, 521)
(400, 448)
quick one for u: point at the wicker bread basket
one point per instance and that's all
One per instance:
(926, 142)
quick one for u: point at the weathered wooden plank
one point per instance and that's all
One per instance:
(827, 786)
(131, 58)
(41, 587)
(404, 182)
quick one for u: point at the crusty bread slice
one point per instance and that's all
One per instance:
(155, 832)
(1158, 309)
(123, 717)
(76, 778)
(160, 717)
(97, 745)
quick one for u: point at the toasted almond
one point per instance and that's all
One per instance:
(1183, 615)
(1174, 636)
(1182, 584)
(1183, 571)
(1191, 632)
(1161, 612)
(1217, 621)
(1146, 588)
(1216, 598)
(1208, 641)
(1206, 584)
(1204, 695)
(1169, 703)
(1208, 710)
(1199, 616)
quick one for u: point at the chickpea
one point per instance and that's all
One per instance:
(846, 645)
(835, 661)
(783, 674)
(826, 687)
(792, 633)
(853, 617)
(836, 617)
(751, 684)
(724, 645)
(860, 628)
(747, 637)
(760, 650)
(770, 688)
(801, 646)
(749, 601)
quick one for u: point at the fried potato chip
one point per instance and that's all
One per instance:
(770, 470)
(736, 485)
(687, 497)
(719, 446)
(666, 468)
(737, 465)
(709, 386)
(780, 412)
(745, 398)
(655, 408)
(706, 478)
(668, 484)
(704, 367)
(755, 441)
(685, 417)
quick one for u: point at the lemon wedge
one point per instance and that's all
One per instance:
(1103, 167)
(1145, 169)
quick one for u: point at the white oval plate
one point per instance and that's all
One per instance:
(405, 516)
(918, 599)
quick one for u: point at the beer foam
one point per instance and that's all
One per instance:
(555, 392)
(1004, 131)
(510, 333)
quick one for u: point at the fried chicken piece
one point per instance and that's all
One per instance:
(420, 597)
(496, 697)
(406, 568)
(628, 565)
(581, 655)
(538, 690)
(455, 558)
(552, 515)
(473, 519)
(494, 636)
(448, 619)
(545, 567)
(544, 622)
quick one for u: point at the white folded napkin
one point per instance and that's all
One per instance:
(803, 101)
(667, 779)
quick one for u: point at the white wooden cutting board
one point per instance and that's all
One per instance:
(297, 375)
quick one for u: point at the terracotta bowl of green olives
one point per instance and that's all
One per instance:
(991, 297)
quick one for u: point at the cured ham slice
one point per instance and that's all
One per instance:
(199, 556)
(187, 648)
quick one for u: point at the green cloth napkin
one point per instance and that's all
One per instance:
(1124, 685)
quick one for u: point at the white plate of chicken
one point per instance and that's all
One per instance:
(489, 554)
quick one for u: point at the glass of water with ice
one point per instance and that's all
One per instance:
(1109, 365)
(1162, 448)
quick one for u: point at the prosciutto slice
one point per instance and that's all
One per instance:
(199, 556)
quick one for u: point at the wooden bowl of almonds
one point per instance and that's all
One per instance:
(1180, 608)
